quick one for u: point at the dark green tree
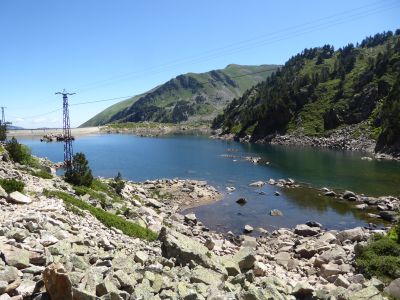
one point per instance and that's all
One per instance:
(3, 132)
(118, 183)
(18, 152)
(80, 173)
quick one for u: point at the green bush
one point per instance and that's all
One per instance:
(108, 219)
(42, 174)
(3, 132)
(118, 184)
(80, 173)
(380, 258)
(12, 185)
(18, 153)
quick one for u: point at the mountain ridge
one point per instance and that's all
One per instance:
(187, 97)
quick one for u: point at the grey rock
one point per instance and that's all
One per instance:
(393, 289)
(241, 201)
(248, 229)
(206, 276)
(14, 256)
(305, 230)
(141, 257)
(245, 258)
(185, 250)
(348, 194)
(10, 274)
(275, 213)
(17, 197)
(282, 258)
(390, 216)
(370, 293)
(302, 290)
(190, 218)
(355, 235)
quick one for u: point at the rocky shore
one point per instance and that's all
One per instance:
(344, 139)
(50, 250)
(148, 129)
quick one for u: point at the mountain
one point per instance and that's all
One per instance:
(188, 97)
(321, 90)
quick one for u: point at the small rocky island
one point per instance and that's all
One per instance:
(61, 242)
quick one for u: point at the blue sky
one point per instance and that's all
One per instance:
(107, 49)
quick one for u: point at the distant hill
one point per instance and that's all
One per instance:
(188, 97)
(320, 90)
(11, 127)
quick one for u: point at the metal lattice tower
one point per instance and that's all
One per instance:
(68, 151)
(3, 118)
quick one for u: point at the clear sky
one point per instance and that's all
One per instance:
(107, 49)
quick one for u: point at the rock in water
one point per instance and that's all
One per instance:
(248, 229)
(241, 201)
(190, 218)
(18, 198)
(257, 184)
(275, 212)
(57, 282)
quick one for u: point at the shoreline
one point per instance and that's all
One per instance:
(287, 263)
(335, 141)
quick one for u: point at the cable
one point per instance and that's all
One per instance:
(256, 42)
(128, 97)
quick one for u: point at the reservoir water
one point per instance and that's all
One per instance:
(222, 164)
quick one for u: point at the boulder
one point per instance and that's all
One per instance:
(282, 258)
(141, 257)
(57, 282)
(3, 193)
(348, 194)
(257, 184)
(17, 197)
(313, 224)
(248, 229)
(390, 216)
(206, 276)
(245, 258)
(305, 230)
(190, 218)
(303, 290)
(370, 293)
(154, 203)
(14, 256)
(275, 213)
(241, 201)
(10, 274)
(330, 269)
(185, 250)
(355, 235)
(393, 289)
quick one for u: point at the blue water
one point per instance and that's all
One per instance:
(198, 157)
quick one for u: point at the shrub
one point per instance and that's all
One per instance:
(80, 173)
(118, 184)
(12, 185)
(108, 219)
(18, 152)
(380, 258)
(42, 174)
(3, 132)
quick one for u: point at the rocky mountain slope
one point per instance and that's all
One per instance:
(320, 91)
(192, 96)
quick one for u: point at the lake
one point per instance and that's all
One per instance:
(221, 164)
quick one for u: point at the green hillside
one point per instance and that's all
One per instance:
(320, 90)
(189, 97)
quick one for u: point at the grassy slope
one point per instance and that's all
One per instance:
(218, 94)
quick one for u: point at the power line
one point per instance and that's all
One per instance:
(256, 42)
(130, 96)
